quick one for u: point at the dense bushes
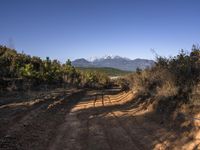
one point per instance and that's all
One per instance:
(37, 72)
(123, 84)
(95, 79)
(171, 80)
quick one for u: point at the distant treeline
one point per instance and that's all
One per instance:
(106, 70)
(19, 69)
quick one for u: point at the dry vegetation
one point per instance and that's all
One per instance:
(171, 81)
(155, 108)
(171, 90)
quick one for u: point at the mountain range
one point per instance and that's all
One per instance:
(117, 62)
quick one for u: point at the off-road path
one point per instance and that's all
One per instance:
(80, 120)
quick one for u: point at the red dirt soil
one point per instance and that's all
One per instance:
(75, 120)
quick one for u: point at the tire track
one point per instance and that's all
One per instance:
(107, 135)
(139, 127)
(15, 116)
(73, 130)
(133, 136)
(32, 126)
(105, 130)
(148, 132)
(94, 137)
(137, 143)
(126, 134)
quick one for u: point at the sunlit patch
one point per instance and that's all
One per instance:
(197, 120)
(108, 100)
(159, 146)
(54, 104)
(193, 145)
(22, 104)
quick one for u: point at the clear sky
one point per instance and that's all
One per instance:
(84, 28)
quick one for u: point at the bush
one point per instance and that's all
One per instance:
(15, 65)
(170, 77)
(123, 83)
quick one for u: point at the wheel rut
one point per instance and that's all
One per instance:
(85, 122)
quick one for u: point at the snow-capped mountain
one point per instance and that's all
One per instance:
(114, 62)
(95, 58)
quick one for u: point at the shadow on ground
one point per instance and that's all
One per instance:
(79, 121)
(146, 129)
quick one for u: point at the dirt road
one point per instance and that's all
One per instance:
(77, 120)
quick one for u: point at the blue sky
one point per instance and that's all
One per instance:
(84, 28)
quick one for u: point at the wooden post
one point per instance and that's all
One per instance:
(102, 94)
(95, 99)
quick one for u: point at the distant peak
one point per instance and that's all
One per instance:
(92, 58)
(95, 58)
(81, 60)
(111, 61)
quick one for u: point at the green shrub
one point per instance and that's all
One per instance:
(38, 71)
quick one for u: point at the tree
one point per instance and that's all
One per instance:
(68, 62)
(138, 70)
